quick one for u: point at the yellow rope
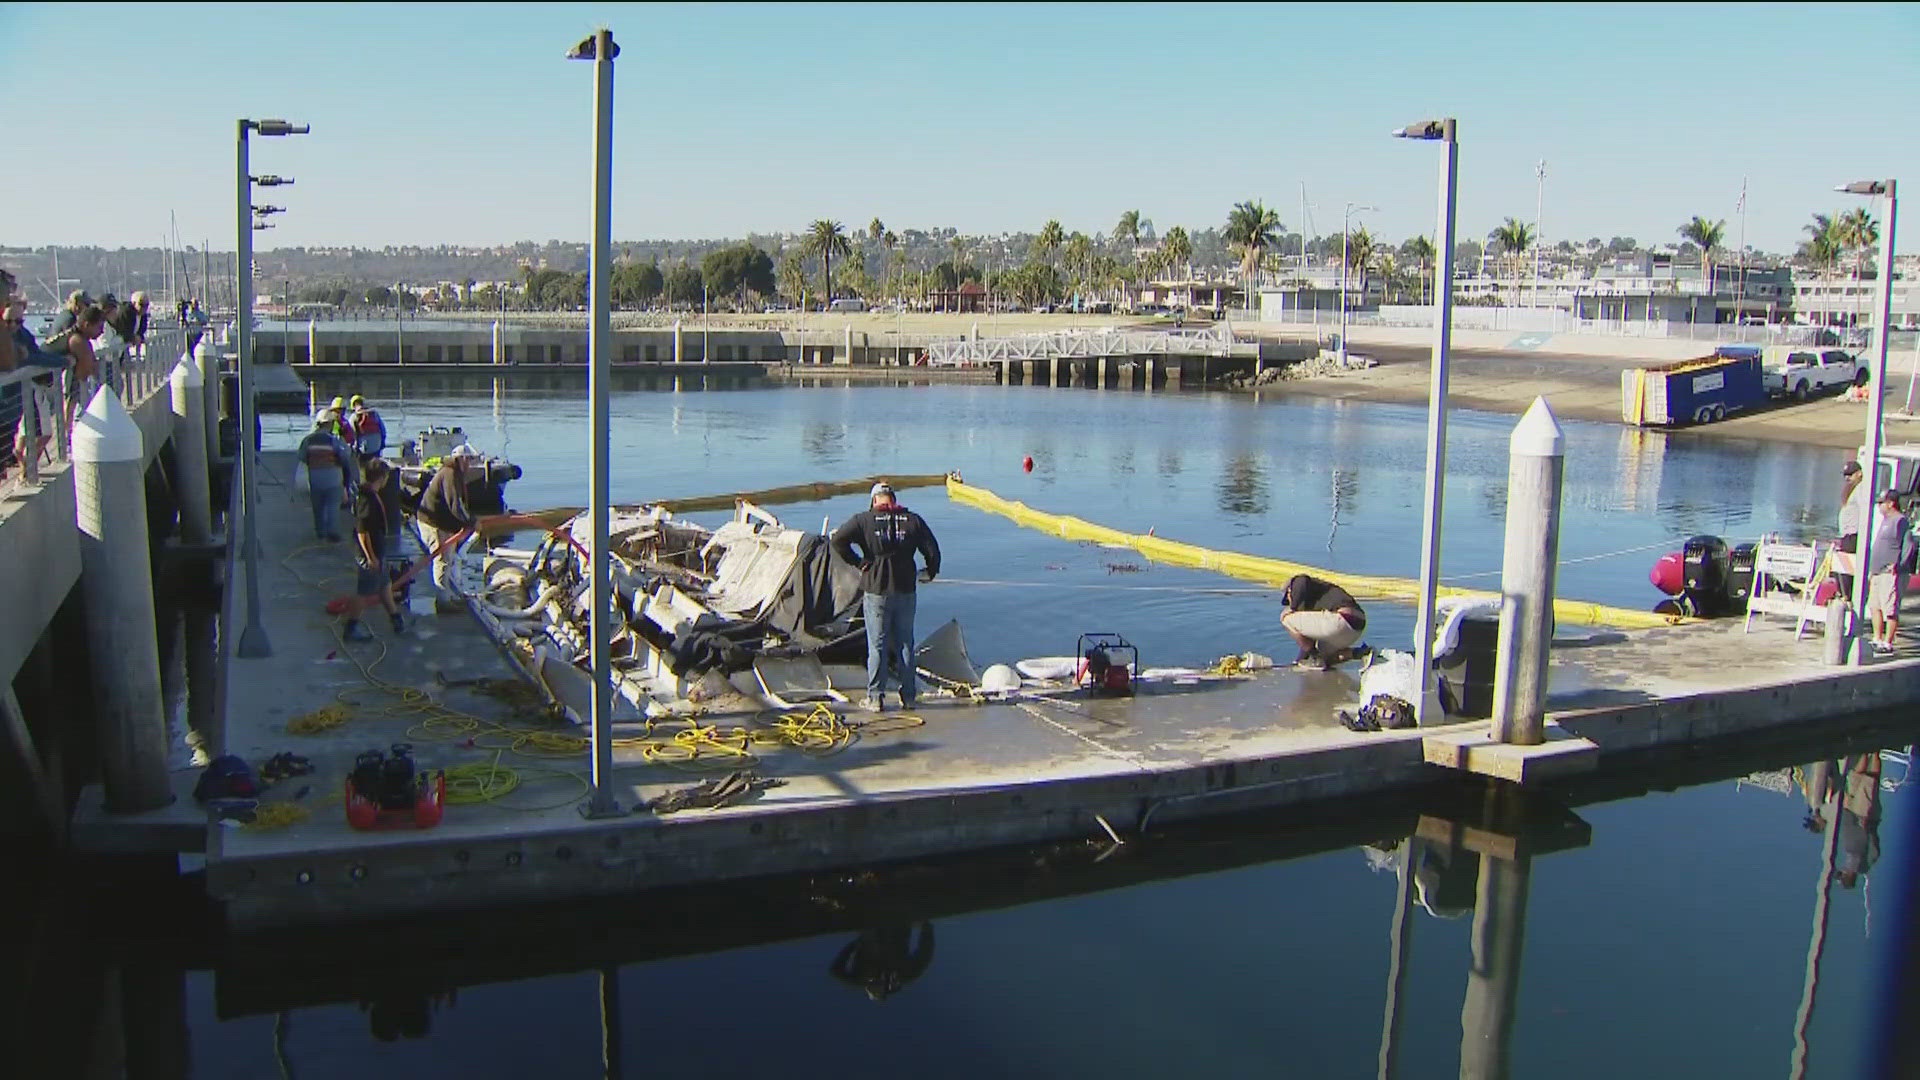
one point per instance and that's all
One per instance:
(278, 815)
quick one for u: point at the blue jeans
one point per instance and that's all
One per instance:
(326, 505)
(890, 642)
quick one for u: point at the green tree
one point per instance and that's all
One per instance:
(1177, 250)
(1127, 230)
(379, 296)
(682, 285)
(637, 284)
(1250, 229)
(875, 230)
(1706, 236)
(1859, 234)
(1419, 251)
(1079, 250)
(1048, 241)
(826, 238)
(1825, 243)
(1513, 237)
(1360, 249)
(792, 278)
(735, 271)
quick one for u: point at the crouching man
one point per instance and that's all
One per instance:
(1323, 619)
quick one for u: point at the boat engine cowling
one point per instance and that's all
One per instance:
(1705, 578)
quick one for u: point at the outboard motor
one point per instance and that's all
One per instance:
(1739, 577)
(1704, 582)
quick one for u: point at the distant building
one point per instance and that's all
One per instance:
(969, 299)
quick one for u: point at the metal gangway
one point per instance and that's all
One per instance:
(1082, 344)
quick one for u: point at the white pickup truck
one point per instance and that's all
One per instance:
(1802, 372)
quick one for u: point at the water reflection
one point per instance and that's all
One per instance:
(883, 960)
(1243, 486)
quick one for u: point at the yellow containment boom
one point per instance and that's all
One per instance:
(1274, 572)
(792, 493)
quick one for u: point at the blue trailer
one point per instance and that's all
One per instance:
(1693, 391)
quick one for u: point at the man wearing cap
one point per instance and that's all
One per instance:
(1853, 507)
(443, 515)
(369, 431)
(881, 541)
(1890, 540)
(331, 473)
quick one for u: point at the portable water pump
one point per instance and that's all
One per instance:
(386, 791)
(1109, 665)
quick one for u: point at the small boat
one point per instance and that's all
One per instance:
(421, 456)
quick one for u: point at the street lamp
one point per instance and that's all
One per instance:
(1346, 220)
(600, 49)
(253, 641)
(1435, 131)
(1877, 398)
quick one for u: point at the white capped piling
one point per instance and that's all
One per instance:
(116, 578)
(1536, 465)
(190, 452)
(677, 355)
(206, 357)
(498, 357)
(313, 342)
(849, 345)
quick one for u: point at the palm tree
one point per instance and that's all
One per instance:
(1049, 241)
(1706, 236)
(875, 230)
(1177, 248)
(890, 241)
(1250, 229)
(1079, 254)
(1857, 232)
(1825, 245)
(1128, 229)
(826, 238)
(1513, 237)
(1360, 247)
(1420, 250)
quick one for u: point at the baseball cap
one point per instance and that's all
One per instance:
(1890, 495)
(879, 489)
(1850, 468)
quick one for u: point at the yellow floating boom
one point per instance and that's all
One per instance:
(1274, 572)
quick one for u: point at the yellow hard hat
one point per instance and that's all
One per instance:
(339, 403)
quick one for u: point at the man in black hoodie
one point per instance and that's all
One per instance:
(887, 535)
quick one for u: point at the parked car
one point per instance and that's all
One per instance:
(1801, 372)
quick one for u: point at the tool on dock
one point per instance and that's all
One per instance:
(386, 791)
(1109, 665)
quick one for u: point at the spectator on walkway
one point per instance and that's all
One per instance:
(1853, 509)
(141, 309)
(1885, 577)
(76, 347)
(69, 315)
(196, 325)
(18, 349)
(332, 474)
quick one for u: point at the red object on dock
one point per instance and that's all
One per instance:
(1669, 573)
(428, 807)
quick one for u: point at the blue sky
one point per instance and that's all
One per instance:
(463, 124)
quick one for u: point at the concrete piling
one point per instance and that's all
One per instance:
(498, 356)
(678, 356)
(313, 342)
(194, 491)
(206, 358)
(116, 576)
(1536, 466)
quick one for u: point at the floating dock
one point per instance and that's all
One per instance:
(959, 777)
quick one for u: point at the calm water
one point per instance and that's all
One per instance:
(1670, 937)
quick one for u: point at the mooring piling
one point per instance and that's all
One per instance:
(193, 491)
(116, 574)
(1535, 468)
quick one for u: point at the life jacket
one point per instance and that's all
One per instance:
(366, 422)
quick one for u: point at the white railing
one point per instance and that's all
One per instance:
(1081, 344)
(41, 437)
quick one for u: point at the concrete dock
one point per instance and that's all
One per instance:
(966, 777)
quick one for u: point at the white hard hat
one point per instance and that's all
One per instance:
(1000, 679)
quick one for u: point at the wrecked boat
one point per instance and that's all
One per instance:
(748, 616)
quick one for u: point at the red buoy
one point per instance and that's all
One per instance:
(1669, 574)
(1026, 463)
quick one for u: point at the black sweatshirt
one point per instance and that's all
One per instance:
(887, 540)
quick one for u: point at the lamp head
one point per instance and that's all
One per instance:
(279, 127)
(270, 180)
(263, 211)
(589, 48)
(1864, 187)
(1429, 130)
(262, 225)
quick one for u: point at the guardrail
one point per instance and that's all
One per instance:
(1217, 341)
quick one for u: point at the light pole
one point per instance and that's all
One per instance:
(253, 642)
(1346, 225)
(600, 49)
(1539, 206)
(1435, 131)
(1875, 389)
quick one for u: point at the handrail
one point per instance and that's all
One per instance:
(136, 372)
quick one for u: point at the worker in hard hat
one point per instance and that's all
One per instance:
(369, 431)
(332, 472)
